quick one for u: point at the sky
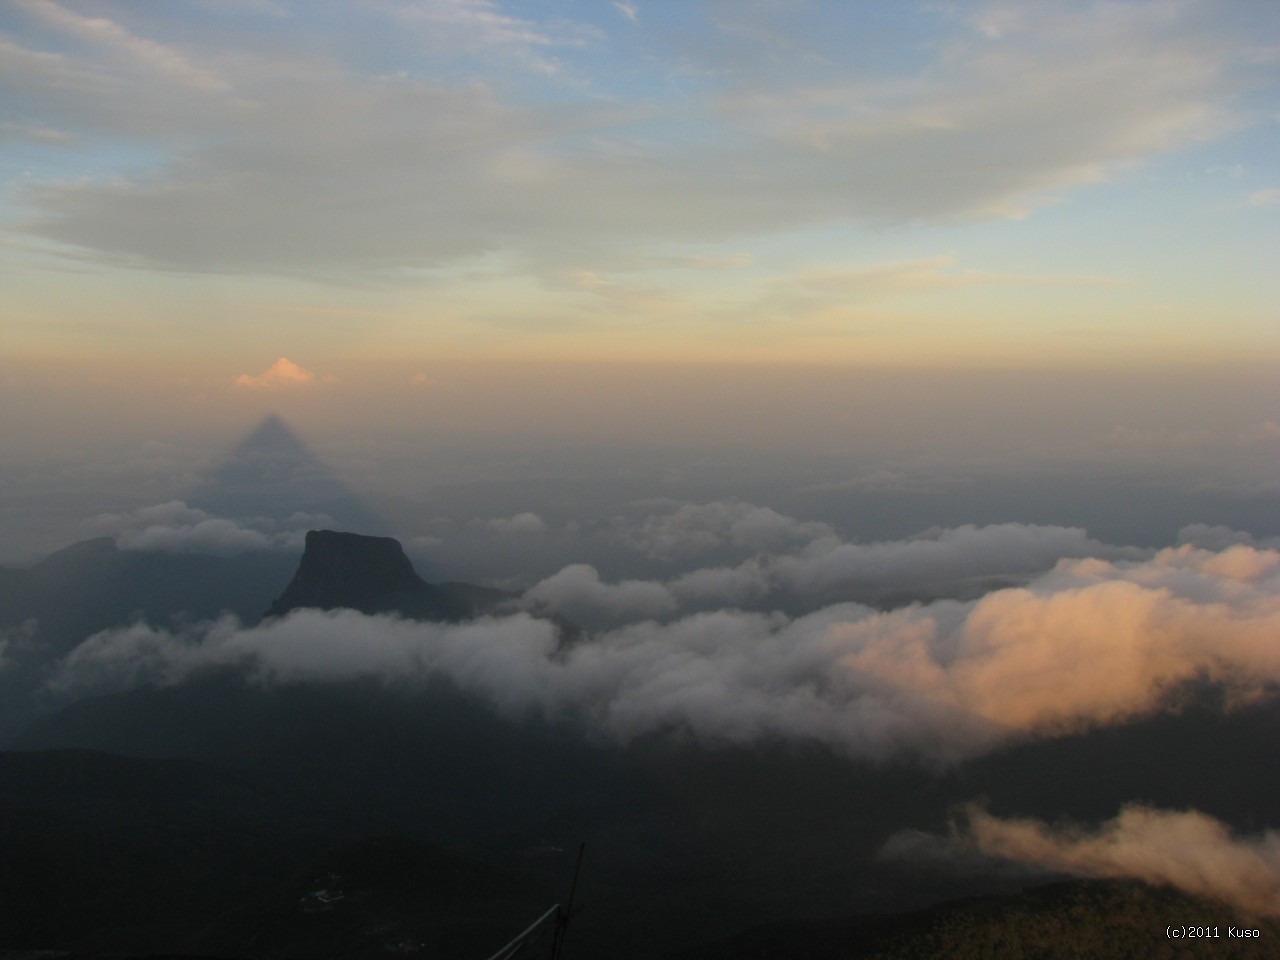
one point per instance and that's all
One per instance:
(932, 236)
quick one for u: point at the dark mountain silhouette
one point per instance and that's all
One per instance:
(272, 473)
(373, 575)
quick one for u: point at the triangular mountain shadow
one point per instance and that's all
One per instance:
(272, 473)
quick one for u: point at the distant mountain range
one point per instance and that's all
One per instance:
(93, 585)
(49, 608)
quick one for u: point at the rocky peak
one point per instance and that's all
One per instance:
(372, 575)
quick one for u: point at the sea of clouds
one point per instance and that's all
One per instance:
(1065, 634)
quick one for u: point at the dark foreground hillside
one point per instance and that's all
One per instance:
(116, 856)
(108, 855)
(1094, 920)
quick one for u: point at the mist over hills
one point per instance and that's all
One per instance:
(711, 836)
(94, 584)
(773, 722)
(49, 608)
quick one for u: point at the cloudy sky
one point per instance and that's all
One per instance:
(868, 183)
(979, 224)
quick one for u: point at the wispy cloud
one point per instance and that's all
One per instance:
(482, 27)
(127, 50)
(312, 164)
(819, 289)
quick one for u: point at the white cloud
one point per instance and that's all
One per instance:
(1269, 197)
(578, 593)
(1090, 643)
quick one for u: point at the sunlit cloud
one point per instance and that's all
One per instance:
(283, 373)
(1185, 849)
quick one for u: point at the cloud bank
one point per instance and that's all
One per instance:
(1090, 643)
(809, 564)
(1188, 850)
(695, 528)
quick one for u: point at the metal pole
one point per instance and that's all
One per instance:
(562, 920)
(509, 948)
